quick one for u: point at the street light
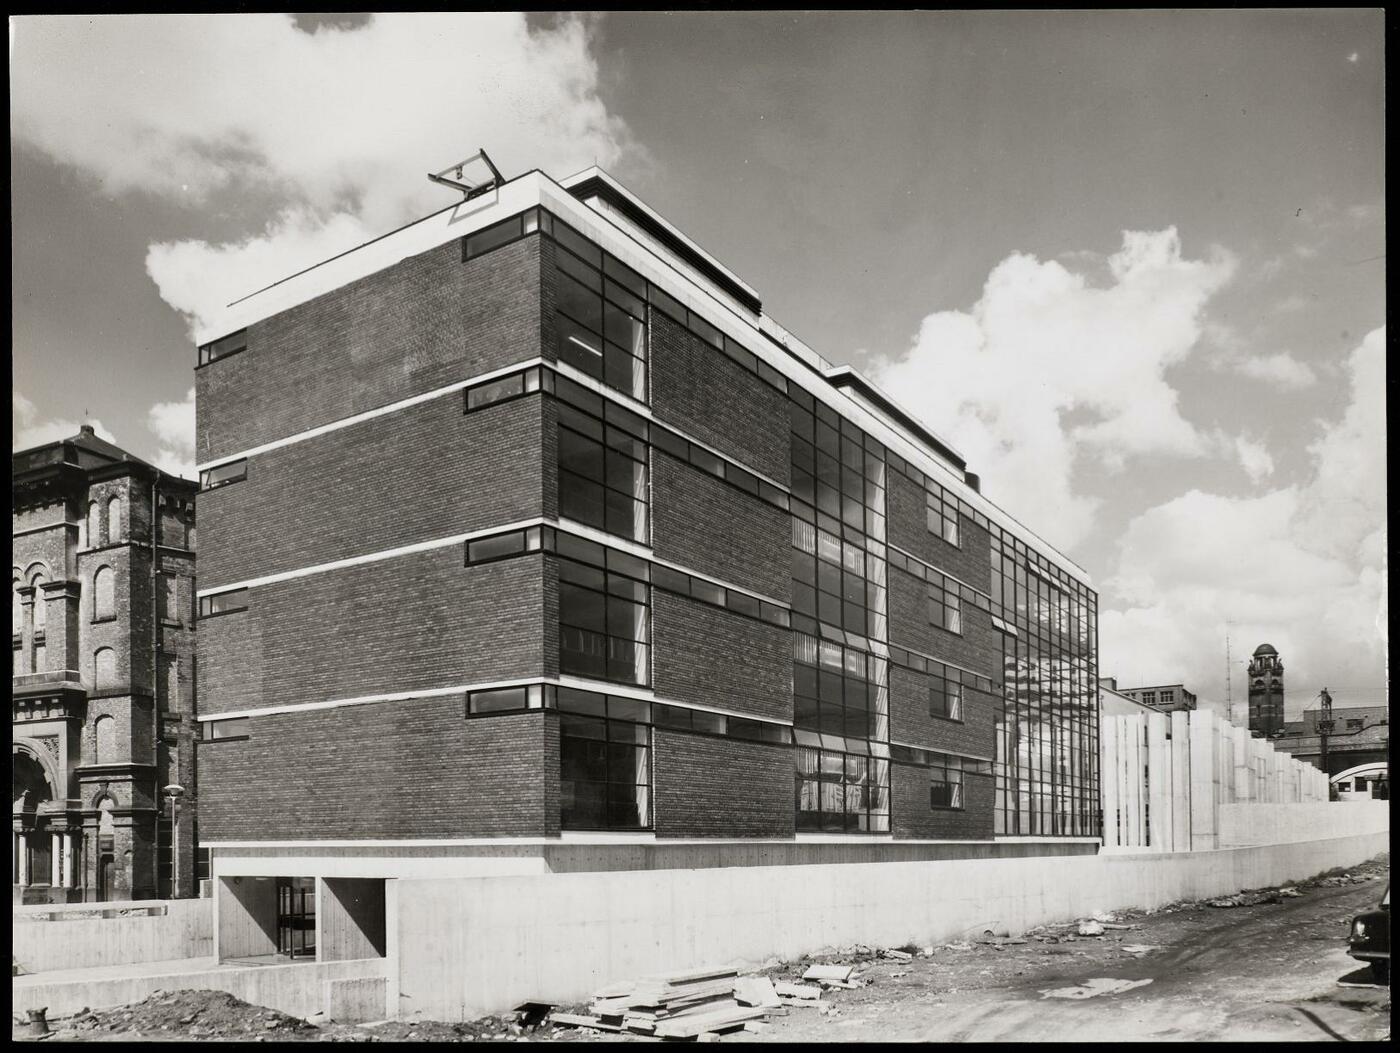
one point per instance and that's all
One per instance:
(173, 793)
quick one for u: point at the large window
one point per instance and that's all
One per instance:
(945, 781)
(603, 472)
(604, 762)
(837, 582)
(223, 347)
(604, 629)
(839, 690)
(944, 606)
(842, 792)
(945, 698)
(942, 513)
(600, 314)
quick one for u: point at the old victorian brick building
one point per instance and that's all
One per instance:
(102, 584)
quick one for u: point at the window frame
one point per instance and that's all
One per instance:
(207, 604)
(205, 352)
(205, 486)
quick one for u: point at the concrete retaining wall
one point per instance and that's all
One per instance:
(184, 931)
(1242, 825)
(300, 989)
(478, 945)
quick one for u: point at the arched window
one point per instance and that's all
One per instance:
(114, 520)
(104, 741)
(94, 525)
(105, 825)
(16, 609)
(104, 670)
(40, 607)
(104, 594)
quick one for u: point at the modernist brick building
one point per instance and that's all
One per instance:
(526, 527)
(102, 705)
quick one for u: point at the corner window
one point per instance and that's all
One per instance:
(600, 314)
(503, 389)
(223, 603)
(603, 474)
(223, 475)
(604, 771)
(223, 347)
(215, 730)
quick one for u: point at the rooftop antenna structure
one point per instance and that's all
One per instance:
(452, 176)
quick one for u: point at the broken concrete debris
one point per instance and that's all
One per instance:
(687, 1005)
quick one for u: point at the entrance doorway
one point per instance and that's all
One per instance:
(296, 917)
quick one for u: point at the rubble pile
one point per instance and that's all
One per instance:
(192, 1014)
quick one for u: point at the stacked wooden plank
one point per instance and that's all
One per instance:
(679, 1006)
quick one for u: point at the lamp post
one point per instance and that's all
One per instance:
(173, 793)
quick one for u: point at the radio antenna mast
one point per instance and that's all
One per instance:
(1229, 691)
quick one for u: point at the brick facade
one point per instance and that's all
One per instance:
(399, 622)
(713, 787)
(102, 697)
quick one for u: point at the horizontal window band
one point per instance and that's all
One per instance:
(938, 570)
(570, 682)
(560, 368)
(643, 410)
(370, 557)
(345, 422)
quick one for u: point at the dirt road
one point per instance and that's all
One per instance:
(1265, 972)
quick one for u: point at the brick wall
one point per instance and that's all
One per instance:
(412, 622)
(977, 647)
(969, 561)
(712, 527)
(912, 817)
(707, 786)
(713, 657)
(390, 770)
(701, 392)
(422, 323)
(425, 472)
(911, 723)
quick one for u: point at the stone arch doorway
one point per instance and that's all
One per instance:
(32, 786)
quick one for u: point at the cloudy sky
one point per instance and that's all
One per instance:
(1132, 264)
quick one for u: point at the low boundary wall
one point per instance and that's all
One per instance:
(464, 947)
(348, 991)
(184, 930)
(1242, 825)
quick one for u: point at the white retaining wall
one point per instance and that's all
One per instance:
(1270, 824)
(186, 930)
(353, 990)
(469, 946)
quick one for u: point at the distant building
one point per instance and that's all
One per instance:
(1114, 703)
(102, 673)
(1164, 698)
(1266, 693)
(1360, 736)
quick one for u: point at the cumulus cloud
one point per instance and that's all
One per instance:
(1281, 369)
(339, 125)
(1042, 347)
(173, 425)
(28, 428)
(1302, 567)
(1254, 458)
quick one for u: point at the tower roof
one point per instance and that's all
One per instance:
(1265, 648)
